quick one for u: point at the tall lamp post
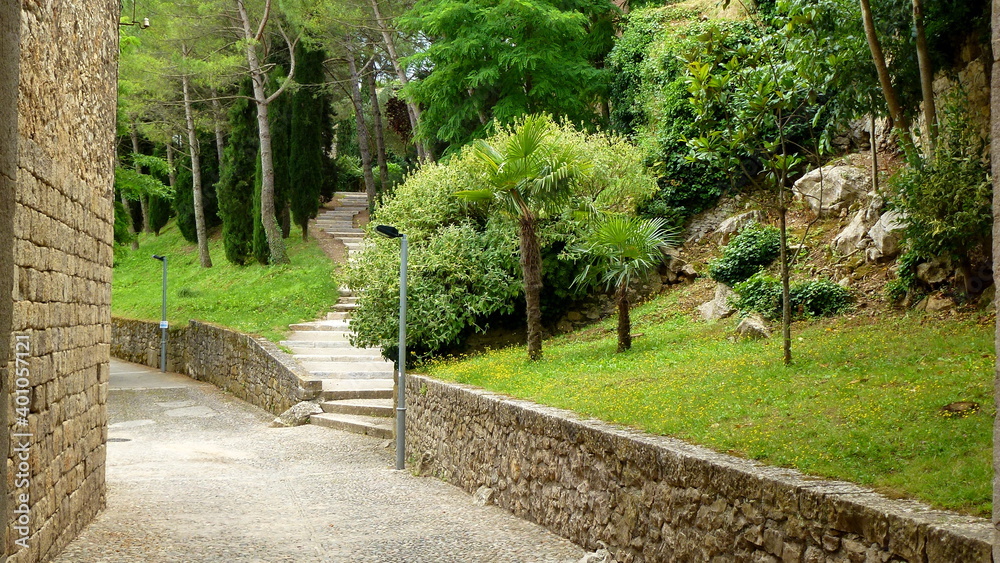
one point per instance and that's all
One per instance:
(391, 232)
(163, 316)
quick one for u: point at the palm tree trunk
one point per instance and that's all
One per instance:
(624, 320)
(531, 267)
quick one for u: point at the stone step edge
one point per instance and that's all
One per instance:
(369, 426)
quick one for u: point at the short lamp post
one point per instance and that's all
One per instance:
(163, 316)
(391, 232)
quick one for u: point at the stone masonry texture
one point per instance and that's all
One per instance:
(253, 369)
(652, 498)
(56, 283)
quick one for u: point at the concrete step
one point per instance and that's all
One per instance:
(338, 316)
(363, 407)
(322, 326)
(345, 307)
(316, 336)
(356, 355)
(331, 347)
(345, 292)
(351, 370)
(368, 425)
(338, 389)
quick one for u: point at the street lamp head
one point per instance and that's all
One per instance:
(160, 258)
(388, 231)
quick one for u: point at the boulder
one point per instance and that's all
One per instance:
(854, 235)
(935, 271)
(986, 299)
(483, 496)
(831, 189)
(753, 327)
(297, 415)
(887, 233)
(735, 224)
(717, 308)
(938, 303)
(602, 555)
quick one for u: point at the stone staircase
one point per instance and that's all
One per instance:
(357, 382)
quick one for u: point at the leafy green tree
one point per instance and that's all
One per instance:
(622, 249)
(529, 178)
(762, 109)
(501, 61)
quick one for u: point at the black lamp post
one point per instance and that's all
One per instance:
(391, 232)
(163, 316)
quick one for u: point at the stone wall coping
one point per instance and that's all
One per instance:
(859, 509)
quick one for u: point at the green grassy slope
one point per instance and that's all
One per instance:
(257, 299)
(862, 401)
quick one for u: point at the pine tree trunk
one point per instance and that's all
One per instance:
(218, 117)
(424, 151)
(131, 223)
(383, 169)
(995, 164)
(531, 267)
(926, 78)
(624, 320)
(899, 121)
(199, 209)
(258, 76)
(363, 140)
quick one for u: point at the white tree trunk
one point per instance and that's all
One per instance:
(268, 216)
(363, 146)
(199, 210)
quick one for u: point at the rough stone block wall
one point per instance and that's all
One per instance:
(652, 498)
(60, 297)
(251, 368)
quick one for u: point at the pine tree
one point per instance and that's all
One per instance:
(235, 188)
(306, 162)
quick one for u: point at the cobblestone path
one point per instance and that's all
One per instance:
(195, 475)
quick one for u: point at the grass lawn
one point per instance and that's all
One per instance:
(862, 401)
(256, 299)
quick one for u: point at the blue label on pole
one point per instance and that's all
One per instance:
(163, 324)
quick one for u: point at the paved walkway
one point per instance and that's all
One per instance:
(195, 475)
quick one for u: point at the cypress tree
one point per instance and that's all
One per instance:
(235, 188)
(184, 200)
(305, 171)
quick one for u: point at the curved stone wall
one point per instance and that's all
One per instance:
(653, 498)
(251, 368)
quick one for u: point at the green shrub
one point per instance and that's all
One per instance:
(464, 266)
(749, 252)
(760, 294)
(947, 198)
(810, 298)
(819, 298)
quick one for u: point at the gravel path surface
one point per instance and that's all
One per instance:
(195, 475)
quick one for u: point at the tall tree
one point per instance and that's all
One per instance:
(372, 87)
(236, 184)
(501, 61)
(254, 47)
(995, 163)
(359, 116)
(194, 150)
(306, 162)
(528, 178)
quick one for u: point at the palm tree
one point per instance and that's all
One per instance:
(621, 249)
(529, 178)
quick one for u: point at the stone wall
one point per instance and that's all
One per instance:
(55, 265)
(652, 498)
(251, 368)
